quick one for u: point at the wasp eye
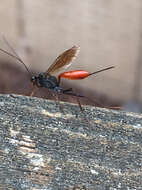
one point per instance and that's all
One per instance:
(33, 78)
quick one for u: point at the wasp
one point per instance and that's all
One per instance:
(48, 78)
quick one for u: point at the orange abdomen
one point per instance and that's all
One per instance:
(74, 75)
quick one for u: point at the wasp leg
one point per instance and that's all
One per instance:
(79, 103)
(67, 90)
(57, 99)
(95, 102)
(60, 105)
(34, 90)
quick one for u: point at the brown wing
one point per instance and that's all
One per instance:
(64, 60)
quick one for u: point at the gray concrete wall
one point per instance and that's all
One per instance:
(108, 32)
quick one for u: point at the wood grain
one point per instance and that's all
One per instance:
(42, 148)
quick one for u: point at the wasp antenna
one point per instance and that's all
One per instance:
(14, 55)
(102, 70)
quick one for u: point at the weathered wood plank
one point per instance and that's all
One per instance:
(41, 148)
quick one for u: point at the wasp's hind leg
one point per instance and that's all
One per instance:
(78, 96)
(57, 99)
(34, 90)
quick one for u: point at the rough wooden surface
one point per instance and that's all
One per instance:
(41, 148)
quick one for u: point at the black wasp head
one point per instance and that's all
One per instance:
(36, 79)
(33, 78)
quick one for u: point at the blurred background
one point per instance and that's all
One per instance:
(108, 32)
